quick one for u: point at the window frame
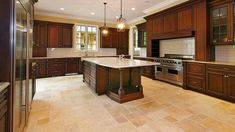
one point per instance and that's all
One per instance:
(86, 37)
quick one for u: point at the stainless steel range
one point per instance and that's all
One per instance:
(171, 68)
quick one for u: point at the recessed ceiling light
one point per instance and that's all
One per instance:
(133, 9)
(61, 9)
(92, 13)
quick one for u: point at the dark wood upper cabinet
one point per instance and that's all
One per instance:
(185, 19)
(142, 35)
(158, 25)
(40, 34)
(60, 35)
(170, 23)
(67, 36)
(222, 14)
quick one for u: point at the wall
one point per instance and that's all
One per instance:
(67, 52)
(177, 46)
(225, 53)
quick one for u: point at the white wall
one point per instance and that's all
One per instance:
(225, 53)
(177, 46)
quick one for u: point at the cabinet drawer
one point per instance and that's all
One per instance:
(57, 65)
(196, 68)
(196, 83)
(221, 68)
(55, 73)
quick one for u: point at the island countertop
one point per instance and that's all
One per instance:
(117, 63)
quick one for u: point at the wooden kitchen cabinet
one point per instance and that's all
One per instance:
(185, 19)
(72, 65)
(170, 22)
(41, 65)
(3, 111)
(60, 35)
(40, 39)
(142, 35)
(196, 77)
(55, 67)
(231, 86)
(158, 25)
(222, 22)
(114, 39)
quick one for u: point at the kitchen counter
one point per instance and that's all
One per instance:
(38, 58)
(116, 63)
(212, 62)
(3, 85)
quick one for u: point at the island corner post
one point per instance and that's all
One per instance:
(121, 84)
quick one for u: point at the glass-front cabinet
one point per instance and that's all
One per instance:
(222, 23)
(219, 22)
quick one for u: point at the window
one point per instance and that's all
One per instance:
(86, 37)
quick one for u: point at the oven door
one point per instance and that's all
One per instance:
(174, 74)
(159, 72)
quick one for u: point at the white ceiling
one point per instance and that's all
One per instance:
(82, 9)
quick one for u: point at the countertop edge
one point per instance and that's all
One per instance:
(3, 86)
(211, 62)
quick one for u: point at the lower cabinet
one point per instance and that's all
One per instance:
(55, 67)
(211, 79)
(41, 65)
(216, 84)
(3, 111)
(72, 65)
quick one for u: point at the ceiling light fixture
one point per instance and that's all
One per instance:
(133, 9)
(121, 22)
(105, 28)
(93, 13)
(62, 9)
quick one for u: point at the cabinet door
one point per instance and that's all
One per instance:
(170, 23)
(40, 34)
(53, 36)
(158, 25)
(216, 84)
(233, 23)
(106, 41)
(41, 73)
(123, 39)
(219, 25)
(231, 87)
(185, 19)
(67, 36)
(72, 65)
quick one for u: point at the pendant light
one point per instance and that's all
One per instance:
(105, 28)
(121, 22)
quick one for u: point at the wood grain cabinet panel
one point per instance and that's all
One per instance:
(41, 68)
(53, 36)
(67, 34)
(55, 67)
(196, 83)
(3, 111)
(170, 22)
(158, 25)
(231, 87)
(216, 84)
(185, 19)
(72, 65)
(196, 68)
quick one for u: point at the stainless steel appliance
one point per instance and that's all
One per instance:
(171, 68)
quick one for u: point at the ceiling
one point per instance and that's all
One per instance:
(83, 9)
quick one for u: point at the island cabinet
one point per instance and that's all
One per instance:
(3, 111)
(40, 39)
(60, 35)
(222, 14)
(55, 67)
(96, 77)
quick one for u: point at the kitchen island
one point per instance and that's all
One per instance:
(120, 79)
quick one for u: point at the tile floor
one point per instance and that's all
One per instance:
(65, 104)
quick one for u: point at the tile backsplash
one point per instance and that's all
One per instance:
(73, 52)
(225, 53)
(177, 46)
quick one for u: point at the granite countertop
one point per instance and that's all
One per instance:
(3, 85)
(116, 63)
(213, 62)
(36, 58)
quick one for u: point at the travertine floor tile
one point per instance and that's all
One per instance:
(66, 104)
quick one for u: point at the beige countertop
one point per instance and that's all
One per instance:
(3, 85)
(116, 63)
(36, 58)
(212, 62)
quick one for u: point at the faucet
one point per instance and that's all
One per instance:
(121, 56)
(86, 53)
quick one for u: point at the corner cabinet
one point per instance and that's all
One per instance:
(222, 15)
